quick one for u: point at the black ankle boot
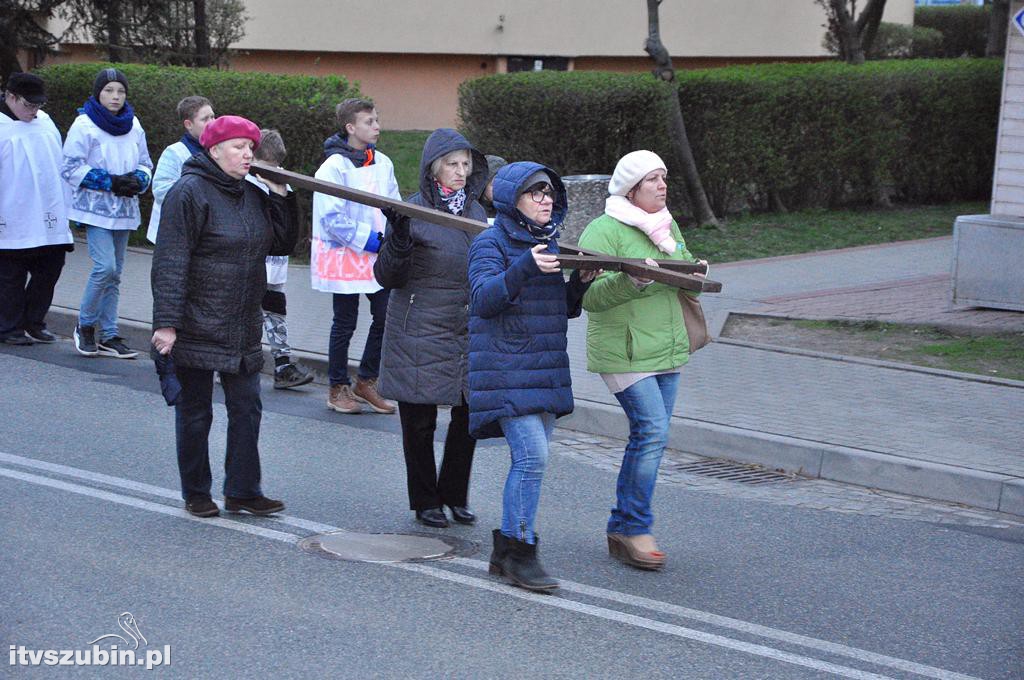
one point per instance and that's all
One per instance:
(518, 563)
(498, 553)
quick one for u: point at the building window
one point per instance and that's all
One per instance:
(538, 64)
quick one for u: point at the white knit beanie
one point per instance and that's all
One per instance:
(632, 168)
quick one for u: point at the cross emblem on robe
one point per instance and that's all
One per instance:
(51, 220)
(3, 224)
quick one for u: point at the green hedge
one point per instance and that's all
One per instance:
(573, 121)
(301, 107)
(964, 28)
(800, 134)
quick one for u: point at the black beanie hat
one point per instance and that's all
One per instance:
(108, 75)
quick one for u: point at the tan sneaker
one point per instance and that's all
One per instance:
(341, 400)
(366, 392)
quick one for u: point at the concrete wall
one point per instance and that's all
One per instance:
(1008, 181)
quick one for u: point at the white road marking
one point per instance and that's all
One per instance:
(547, 600)
(746, 627)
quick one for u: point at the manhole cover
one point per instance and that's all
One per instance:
(734, 472)
(357, 547)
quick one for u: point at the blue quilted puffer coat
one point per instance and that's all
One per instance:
(518, 316)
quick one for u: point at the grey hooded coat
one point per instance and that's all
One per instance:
(424, 354)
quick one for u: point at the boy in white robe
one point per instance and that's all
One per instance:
(34, 233)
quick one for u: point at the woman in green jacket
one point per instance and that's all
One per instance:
(636, 340)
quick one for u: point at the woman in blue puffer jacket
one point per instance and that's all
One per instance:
(518, 367)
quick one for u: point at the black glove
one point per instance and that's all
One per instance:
(398, 223)
(125, 185)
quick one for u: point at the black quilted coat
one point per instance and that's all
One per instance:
(209, 271)
(426, 336)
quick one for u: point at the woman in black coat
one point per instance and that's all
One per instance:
(208, 278)
(423, 360)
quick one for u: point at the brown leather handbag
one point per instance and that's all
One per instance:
(696, 324)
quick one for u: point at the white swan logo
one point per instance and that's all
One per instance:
(130, 626)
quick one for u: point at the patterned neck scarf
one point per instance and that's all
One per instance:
(454, 201)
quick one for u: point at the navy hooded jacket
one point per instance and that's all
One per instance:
(518, 316)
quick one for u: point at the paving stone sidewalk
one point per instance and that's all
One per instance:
(748, 394)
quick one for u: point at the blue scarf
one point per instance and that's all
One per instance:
(190, 141)
(115, 124)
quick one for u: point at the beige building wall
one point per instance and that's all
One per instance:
(1008, 180)
(411, 55)
(567, 28)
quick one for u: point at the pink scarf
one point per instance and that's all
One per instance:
(657, 226)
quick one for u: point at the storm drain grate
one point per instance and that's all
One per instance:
(734, 472)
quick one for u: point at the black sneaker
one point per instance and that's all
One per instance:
(291, 375)
(18, 339)
(42, 335)
(261, 505)
(202, 506)
(85, 341)
(115, 347)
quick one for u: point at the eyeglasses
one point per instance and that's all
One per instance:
(538, 195)
(29, 105)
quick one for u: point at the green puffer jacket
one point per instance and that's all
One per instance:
(632, 329)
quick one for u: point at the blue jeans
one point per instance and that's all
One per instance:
(102, 290)
(346, 315)
(193, 418)
(648, 405)
(528, 438)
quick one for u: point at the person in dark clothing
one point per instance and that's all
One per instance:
(494, 163)
(423, 363)
(34, 234)
(208, 278)
(519, 380)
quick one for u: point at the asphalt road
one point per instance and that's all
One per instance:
(93, 528)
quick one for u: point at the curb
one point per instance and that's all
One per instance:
(819, 460)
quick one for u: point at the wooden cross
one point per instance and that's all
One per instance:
(672, 273)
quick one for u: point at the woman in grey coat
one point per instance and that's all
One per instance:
(423, 361)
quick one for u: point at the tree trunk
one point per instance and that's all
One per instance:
(202, 33)
(855, 35)
(998, 24)
(115, 31)
(663, 70)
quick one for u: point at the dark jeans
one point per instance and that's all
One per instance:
(427, 489)
(346, 314)
(193, 418)
(26, 288)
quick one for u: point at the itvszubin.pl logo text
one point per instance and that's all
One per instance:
(111, 654)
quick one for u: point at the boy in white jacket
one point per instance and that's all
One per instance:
(107, 165)
(194, 113)
(346, 238)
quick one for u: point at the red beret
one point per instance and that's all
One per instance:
(229, 127)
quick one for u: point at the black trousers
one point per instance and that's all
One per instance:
(193, 418)
(428, 489)
(26, 288)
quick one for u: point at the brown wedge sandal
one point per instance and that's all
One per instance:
(623, 548)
